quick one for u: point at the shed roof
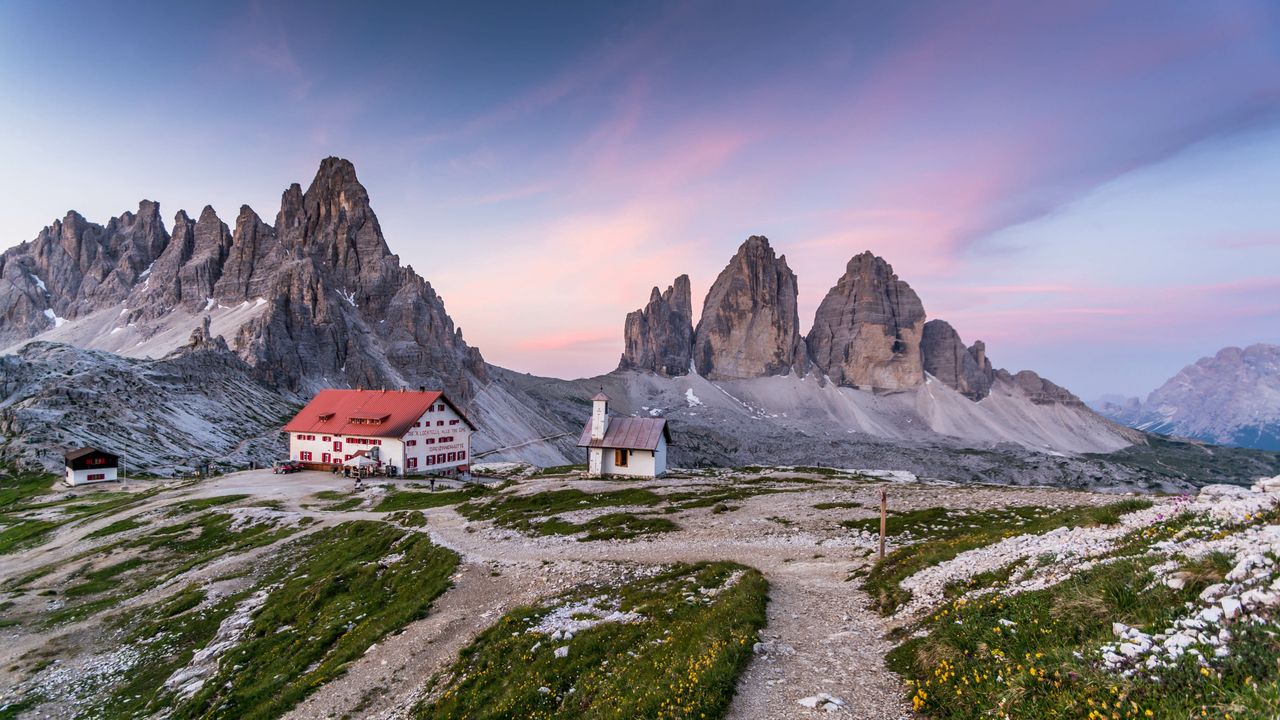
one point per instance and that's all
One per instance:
(368, 413)
(628, 433)
(87, 451)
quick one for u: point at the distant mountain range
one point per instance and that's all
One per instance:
(193, 344)
(1232, 398)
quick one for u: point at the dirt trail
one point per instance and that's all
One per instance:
(824, 638)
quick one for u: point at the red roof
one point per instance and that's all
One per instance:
(368, 413)
(628, 433)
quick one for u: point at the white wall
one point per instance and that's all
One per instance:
(81, 477)
(640, 463)
(426, 438)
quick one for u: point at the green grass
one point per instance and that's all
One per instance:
(157, 557)
(407, 500)
(17, 486)
(166, 636)
(839, 506)
(972, 666)
(24, 534)
(681, 661)
(118, 526)
(558, 470)
(533, 514)
(950, 534)
(334, 603)
(190, 506)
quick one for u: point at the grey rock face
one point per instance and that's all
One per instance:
(1040, 390)
(73, 267)
(62, 397)
(867, 330)
(966, 370)
(659, 337)
(254, 254)
(749, 326)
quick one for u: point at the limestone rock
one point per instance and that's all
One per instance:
(74, 267)
(254, 254)
(966, 370)
(868, 328)
(749, 326)
(1038, 389)
(659, 337)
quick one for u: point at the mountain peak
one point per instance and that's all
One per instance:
(749, 325)
(867, 330)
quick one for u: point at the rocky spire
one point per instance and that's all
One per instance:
(659, 337)
(966, 370)
(749, 326)
(867, 330)
(197, 277)
(254, 255)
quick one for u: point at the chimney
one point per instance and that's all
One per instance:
(422, 388)
(599, 415)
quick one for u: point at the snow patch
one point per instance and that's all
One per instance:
(693, 400)
(57, 321)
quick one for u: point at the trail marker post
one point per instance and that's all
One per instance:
(884, 513)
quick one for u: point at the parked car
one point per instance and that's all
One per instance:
(286, 467)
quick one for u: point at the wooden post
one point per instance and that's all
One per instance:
(884, 512)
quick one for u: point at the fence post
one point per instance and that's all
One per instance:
(884, 512)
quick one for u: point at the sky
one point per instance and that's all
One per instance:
(1092, 188)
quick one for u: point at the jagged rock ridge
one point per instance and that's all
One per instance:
(659, 337)
(332, 305)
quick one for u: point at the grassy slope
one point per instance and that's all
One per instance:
(331, 599)
(973, 665)
(1035, 654)
(526, 513)
(682, 661)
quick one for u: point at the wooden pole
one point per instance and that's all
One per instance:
(884, 513)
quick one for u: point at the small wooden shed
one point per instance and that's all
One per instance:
(90, 465)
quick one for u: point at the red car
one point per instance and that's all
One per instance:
(288, 466)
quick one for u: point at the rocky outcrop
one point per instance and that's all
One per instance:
(749, 326)
(74, 267)
(201, 404)
(1039, 390)
(252, 258)
(965, 370)
(341, 306)
(659, 337)
(868, 328)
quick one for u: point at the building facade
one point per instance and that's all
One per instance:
(625, 446)
(90, 465)
(417, 433)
